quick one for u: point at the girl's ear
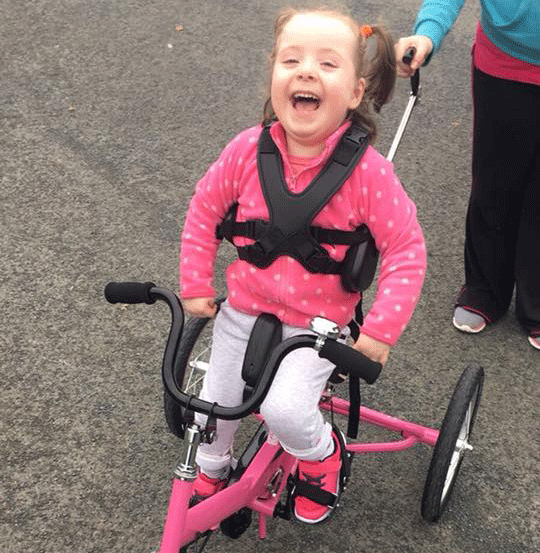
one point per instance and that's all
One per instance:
(358, 94)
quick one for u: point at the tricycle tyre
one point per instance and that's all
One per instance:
(452, 443)
(192, 380)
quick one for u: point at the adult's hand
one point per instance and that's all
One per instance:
(422, 47)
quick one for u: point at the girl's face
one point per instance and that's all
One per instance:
(314, 81)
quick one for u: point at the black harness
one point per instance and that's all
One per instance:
(289, 230)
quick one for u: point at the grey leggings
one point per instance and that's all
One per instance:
(291, 407)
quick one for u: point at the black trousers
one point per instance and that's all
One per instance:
(502, 243)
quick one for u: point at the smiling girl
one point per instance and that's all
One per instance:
(321, 83)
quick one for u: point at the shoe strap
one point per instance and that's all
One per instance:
(315, 494)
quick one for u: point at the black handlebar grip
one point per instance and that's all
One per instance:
(129, 292)
(353, 360)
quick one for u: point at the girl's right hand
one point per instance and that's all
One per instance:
(200, 307)
(422, 46)
(375, 350)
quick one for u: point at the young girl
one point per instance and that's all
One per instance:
(319, 85)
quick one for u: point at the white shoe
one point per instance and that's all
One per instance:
(534, 341)
(467, 321)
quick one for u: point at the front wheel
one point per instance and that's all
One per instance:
(192, 361)
(453, 443)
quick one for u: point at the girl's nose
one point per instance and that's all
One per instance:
(306, 70)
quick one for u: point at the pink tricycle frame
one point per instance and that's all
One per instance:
(261, 485)
(266, 471)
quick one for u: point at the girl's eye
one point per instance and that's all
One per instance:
(290, 61)
(329, 64)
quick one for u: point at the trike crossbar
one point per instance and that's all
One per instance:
(412, 433)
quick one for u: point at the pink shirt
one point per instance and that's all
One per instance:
(372, 195)
(493, 61)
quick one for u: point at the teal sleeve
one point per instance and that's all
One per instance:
(435, 19)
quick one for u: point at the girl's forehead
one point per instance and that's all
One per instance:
(314, 27)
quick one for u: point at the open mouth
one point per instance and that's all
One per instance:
(305, 101)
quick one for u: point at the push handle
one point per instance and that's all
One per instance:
(408, 56)
(129, 292)
(415, 79)
(353, 360)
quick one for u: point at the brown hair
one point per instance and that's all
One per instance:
(379, 69)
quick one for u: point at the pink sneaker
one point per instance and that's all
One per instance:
(204, 487)
(318, 487)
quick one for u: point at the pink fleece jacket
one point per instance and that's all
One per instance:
(372, 195)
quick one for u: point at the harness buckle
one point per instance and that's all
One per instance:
(273, 238)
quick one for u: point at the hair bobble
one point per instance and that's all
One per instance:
(366, 31)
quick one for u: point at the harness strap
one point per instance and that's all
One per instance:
(288, 232)
(300, 209)
(257, 229)
(354, 406)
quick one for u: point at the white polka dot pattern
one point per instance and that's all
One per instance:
(372, 195)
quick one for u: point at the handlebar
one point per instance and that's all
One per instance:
(335, 352)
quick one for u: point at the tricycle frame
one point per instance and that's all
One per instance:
(266, 471)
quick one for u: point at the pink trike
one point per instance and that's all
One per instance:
(263, 480)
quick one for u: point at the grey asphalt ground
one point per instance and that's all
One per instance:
(108, 116)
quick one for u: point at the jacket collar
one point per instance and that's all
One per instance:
(277, 132)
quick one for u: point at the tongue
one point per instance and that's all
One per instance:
(306, 105)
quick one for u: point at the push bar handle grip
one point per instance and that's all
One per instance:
(354, 361)
(129, 292)
(408, 56)
(415, 79)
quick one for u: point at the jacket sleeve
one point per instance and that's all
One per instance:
(214, 194)
(435, 18)
(391, 216)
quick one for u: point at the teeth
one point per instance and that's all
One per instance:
(305, 96)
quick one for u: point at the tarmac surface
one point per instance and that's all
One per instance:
(109, 114)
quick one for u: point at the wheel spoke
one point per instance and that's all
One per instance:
(454, 463)
(198, 367)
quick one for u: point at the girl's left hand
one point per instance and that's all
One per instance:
(375, 350)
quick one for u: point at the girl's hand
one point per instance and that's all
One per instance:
(375, 350)
(422, 46)
(200, 307)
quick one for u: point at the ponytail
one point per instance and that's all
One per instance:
(379, 70)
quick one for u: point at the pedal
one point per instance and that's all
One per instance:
(235, 525)
(284, 511)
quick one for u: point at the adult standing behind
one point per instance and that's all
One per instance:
(502, 243)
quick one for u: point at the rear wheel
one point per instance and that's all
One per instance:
(192, 360)
(453, 443)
